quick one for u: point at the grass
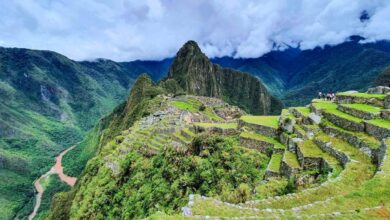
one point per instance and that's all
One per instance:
(310, 149)
(191, 105)
(305, 111)
(269, 121)
(217, 125)
(351, 178)
(331, 108)
(363, 107)
(274, 163)
(291, 159)
(264, 138)
(363, 95)
(380, 123)
(372, 142)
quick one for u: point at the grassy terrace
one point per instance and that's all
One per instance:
(260, 137)
(363, 107)
(363, 95)
(372, 142)
(351, 178)
(331, 108)
(291, 159)
(305, 111)
(380, 123)
(269, 121)
(217, 125)
(274, 163)
(374, 192)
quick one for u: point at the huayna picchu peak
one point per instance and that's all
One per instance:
(196, 74)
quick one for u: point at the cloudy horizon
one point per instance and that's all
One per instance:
(155, 29)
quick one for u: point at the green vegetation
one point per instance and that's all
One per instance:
(52, 185)
(380, 122)
(291, 159)
(270, 121)
(217, 125)
(372, 142)
(305, 111)
(331, 108)
(363, 107)
(363, 95)
(215, 167)
(264, 138)
(274, 164)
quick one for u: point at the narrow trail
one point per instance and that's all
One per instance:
(56, 169)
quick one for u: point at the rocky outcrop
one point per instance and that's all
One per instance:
(196, 75)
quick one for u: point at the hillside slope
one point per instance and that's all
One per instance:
(296, 76)
(47, 102)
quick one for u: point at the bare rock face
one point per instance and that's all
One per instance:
(196, 75)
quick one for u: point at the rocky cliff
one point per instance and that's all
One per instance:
(196, 75)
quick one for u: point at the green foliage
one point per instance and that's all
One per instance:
(225, 169)
(274, 187)
(53, 185)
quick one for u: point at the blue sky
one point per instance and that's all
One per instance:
(154, 29)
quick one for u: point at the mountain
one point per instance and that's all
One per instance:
(296, 76)
(195, 74)
(143, 155)
(383, 79)
(47, 103)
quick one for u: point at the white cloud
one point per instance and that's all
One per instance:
(155, 29)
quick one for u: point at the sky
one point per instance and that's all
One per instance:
(125, 30)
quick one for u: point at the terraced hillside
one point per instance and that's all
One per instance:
(335, 153)
(198, 157)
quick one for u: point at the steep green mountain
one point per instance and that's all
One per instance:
(144, 155)
(47, 103)
(195, 74)
(296, 76)
(383, 79)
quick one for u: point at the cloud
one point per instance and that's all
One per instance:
(155, 29)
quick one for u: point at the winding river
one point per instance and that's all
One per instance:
(56, 169)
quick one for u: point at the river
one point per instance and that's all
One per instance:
(56, 169)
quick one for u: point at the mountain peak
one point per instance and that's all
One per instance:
(189, 49)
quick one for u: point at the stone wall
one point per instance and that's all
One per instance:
(358, 113)
(327, 147)
(344, 123)
(214, 130)
(287, 171)
(308, 162)
(376, 131)
(261, 146)
(264, 130)
(344, 99)
(385, 114)
(375, 154)
(270, 174)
